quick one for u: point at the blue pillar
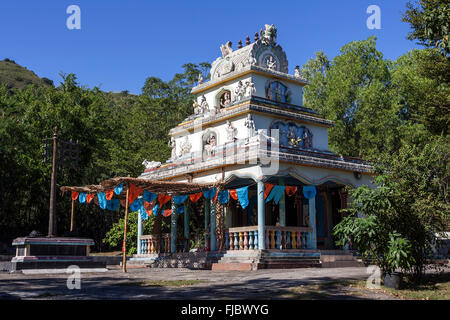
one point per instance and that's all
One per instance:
(213, 226)
(282, 206)
(173, 229)
(207, 214)
(186, 227)
(186, 222)
(139, 233)
(261, 216)
(310, 193)
(312, 222)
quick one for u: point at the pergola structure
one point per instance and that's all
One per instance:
(123, 194)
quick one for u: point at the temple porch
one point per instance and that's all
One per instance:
(295, 232)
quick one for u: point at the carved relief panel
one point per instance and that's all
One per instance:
(209, 143)
(277, 91)
(293, 135)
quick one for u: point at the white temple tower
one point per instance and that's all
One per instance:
(249, 128)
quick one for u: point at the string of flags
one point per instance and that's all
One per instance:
(149, 203)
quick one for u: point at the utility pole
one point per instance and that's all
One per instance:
(51, 220)
(64, 154)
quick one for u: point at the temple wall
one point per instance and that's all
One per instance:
(305, 174)
(220, 128)
(212, 94)
(260, 82)
(242, 171)
(320, 134)
(318, 176)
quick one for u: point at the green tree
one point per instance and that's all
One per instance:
(430, 23)
(116, 133)
(354, 92)
(421, 92)
(402, 215)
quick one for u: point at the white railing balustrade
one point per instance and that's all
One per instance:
(150, 244)
(276, 237)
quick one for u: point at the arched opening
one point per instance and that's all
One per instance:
(224, 99)
(209, 144)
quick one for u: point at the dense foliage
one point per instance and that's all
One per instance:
(430, 23)
(116, 131)
(406, 126)
(401, 216)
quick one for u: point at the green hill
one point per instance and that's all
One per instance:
(16, 76)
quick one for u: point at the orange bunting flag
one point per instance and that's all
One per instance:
(89, 197)
(74, 195)
(133, 193)
(194, 197)
(149, 205)
(215, 197)
(233, 194)
(167, 212)
(163, 198)
(291, 190)
(109, 194)
(267, 188)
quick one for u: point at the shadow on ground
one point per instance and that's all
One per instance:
(109, 287)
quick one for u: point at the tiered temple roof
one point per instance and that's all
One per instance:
(255, 66)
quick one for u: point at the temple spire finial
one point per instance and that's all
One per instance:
(256, 36)
(240, 44)
(247, 40)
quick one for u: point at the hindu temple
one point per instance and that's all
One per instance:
(281, 187)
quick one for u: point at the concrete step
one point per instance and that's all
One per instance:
(195, 265)
(331, 258)
(340, 261)
(289, 265)
(236, 259)
(108, 260)
(342, 264)
(233, 266)
(264, 265)
(336, 252)
(289, 258)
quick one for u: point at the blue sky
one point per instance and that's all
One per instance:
(121, 43)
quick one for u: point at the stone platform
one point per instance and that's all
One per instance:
(34, 253)
(231, 259)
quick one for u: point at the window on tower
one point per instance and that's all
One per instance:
(277, 91)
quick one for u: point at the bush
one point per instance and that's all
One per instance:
(399, 218)
(374, 241)
(114, 237)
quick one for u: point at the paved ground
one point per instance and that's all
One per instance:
(261, 284)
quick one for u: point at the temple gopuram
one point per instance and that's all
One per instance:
(281, 189)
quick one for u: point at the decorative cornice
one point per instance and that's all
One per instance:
(252, 154)
(252, 69)
(257, 105)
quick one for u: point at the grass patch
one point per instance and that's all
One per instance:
(433, 287)
(323, 291)
(162, 283)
